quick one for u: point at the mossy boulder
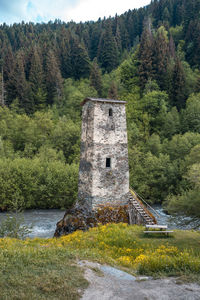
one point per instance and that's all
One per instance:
(82, 218)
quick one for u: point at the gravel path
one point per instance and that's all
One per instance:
(108, 283)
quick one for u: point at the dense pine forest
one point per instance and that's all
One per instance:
(149, 57)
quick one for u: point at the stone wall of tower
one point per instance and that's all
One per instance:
(104, 137)
(86, 155)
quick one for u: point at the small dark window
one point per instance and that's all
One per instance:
(110, 112)
(108, 162)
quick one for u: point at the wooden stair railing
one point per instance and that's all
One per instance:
(138, 205)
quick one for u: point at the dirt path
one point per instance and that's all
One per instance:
(108, 283)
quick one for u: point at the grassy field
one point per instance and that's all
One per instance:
(46, 268)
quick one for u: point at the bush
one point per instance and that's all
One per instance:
(37, 184)
(12, 226)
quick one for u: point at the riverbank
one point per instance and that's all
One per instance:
(42, 222)
(47, 268)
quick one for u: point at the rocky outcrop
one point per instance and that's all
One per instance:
(75, 218)
(82, 218)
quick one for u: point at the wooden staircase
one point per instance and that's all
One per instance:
(140, 211)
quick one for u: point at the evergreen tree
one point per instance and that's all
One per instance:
(112, 92)
(108, 54)
(7, 61)
(118, 35)
(95, 77)
(53, 78)
(36, 80)
(166, 15)
(197, 87)
(172, 49)
(2, 89)
(178, 88)
(79, 59)
(161, 56)
(94, 39)
(145, 55)
(66, 65)
(17, 85)
(125, 39)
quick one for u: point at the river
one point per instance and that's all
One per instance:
(42, 223)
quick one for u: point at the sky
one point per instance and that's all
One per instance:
(15, 11)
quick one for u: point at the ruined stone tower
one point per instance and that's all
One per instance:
(104, 170)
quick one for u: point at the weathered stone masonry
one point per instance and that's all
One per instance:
(104, 170)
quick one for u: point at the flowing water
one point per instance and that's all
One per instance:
(178, 222)
(43, 222)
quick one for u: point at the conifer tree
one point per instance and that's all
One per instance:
(161, 56)
(2, 89)
(79, 59)
(94, 39)
(172, 49)
(125, 38)
(118, 35)
(108, 54)
(145, 55)
(112, 92)
(178, 89)
(53, 78)
(17, 86)
(197, 87)
(66, 65)
(7, 62)
(95, 77)
(36, 80)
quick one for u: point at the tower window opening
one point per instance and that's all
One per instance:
(108, 162)
(110, 112)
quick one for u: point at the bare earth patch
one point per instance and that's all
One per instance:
(108, 283)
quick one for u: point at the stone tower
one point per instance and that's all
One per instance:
(104, 170)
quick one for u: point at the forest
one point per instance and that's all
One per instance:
(149, 57)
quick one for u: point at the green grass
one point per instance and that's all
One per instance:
(47, 269)
(38, 272)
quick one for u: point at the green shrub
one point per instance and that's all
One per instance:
(12, 226)
(35, 183)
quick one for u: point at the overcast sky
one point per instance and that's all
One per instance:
(66, 10)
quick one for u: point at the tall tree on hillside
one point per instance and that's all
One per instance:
(17, 85)
(95, 77)
(7, 61)
(161, 56)
(193, 43)
(172, 48)
(112, 92)
(178, 89)
(125, 39)
(95, 33)
(79, 59)
(36, 80)
(65, 52)
(53, 78)
(108, 54)
(197, 87)
(117, 33)
(2, 89)
(145, 55)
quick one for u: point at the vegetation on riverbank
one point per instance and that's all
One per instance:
(43, 268)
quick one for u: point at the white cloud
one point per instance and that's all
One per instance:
(50, 10)
(66, 10)
(87, 10)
